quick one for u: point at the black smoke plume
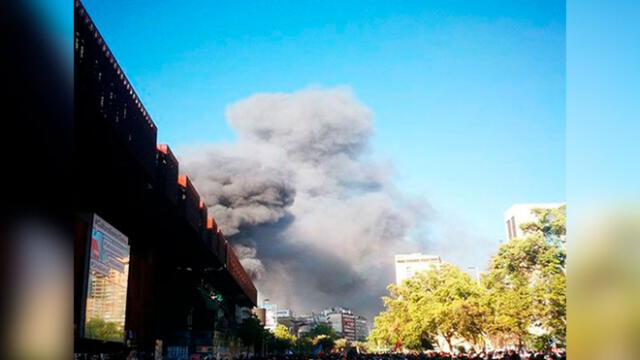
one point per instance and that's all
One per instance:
(313, 218)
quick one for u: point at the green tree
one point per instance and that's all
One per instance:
(450, 304)
(281, 332)
(341, 344)
(526, 281)
(396, 326)
(440, 302)
(323, 329)
(98, 328)
(280, 340)
(551, 223)
(326, 341)
(362, 346)
(250, 332)
(304, 344)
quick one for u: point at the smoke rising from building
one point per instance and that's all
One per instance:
(313, 218)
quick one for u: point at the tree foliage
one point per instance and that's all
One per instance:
(341, 344)
(524, 289)
(282, 332)
(98, 328)
(526, 281)
(323, 329)
(327, 342)
(281, 340)
(250, 332)
(441, 302)
(304, 344)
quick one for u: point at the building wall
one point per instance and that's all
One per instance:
(260, 313)
(519, 214)
(362, 328)
(271, 316)
(336, 322)
(349, 327)
(124, 176)
(409, 264)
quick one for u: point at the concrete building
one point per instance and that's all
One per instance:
(149, 261)
(342, 320)
(260, 313)
(299, 325)
(362, 328)
(284, 313)
(271, 315)
(519, 214)
(409, 264)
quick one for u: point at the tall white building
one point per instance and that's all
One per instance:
(518, 214)
(409, 264)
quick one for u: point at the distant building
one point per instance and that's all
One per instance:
(260, 313)
(519, 214)
(362, 328)
(343, 321)
(408, 265)
(299, 325)
(271, 315)
(283, 313)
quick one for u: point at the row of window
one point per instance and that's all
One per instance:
(80, 45)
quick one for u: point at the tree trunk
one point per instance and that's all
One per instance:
(519, 344)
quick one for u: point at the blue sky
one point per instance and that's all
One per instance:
(602, 103)
(468, 96)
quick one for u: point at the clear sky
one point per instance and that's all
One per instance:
(468, 96)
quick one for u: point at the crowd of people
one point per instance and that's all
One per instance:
(433, 355)
(353, 354)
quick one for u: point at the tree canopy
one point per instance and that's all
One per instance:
(282, 339)
(523, 292)
(323, 329)
(98, 328)
(442, 302)
(526, 281)
(250, 332)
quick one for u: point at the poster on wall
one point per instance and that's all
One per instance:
(107, 282)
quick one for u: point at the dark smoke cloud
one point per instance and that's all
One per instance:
(241, 191)
(314, 219)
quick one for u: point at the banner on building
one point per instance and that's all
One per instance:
(108, 275)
